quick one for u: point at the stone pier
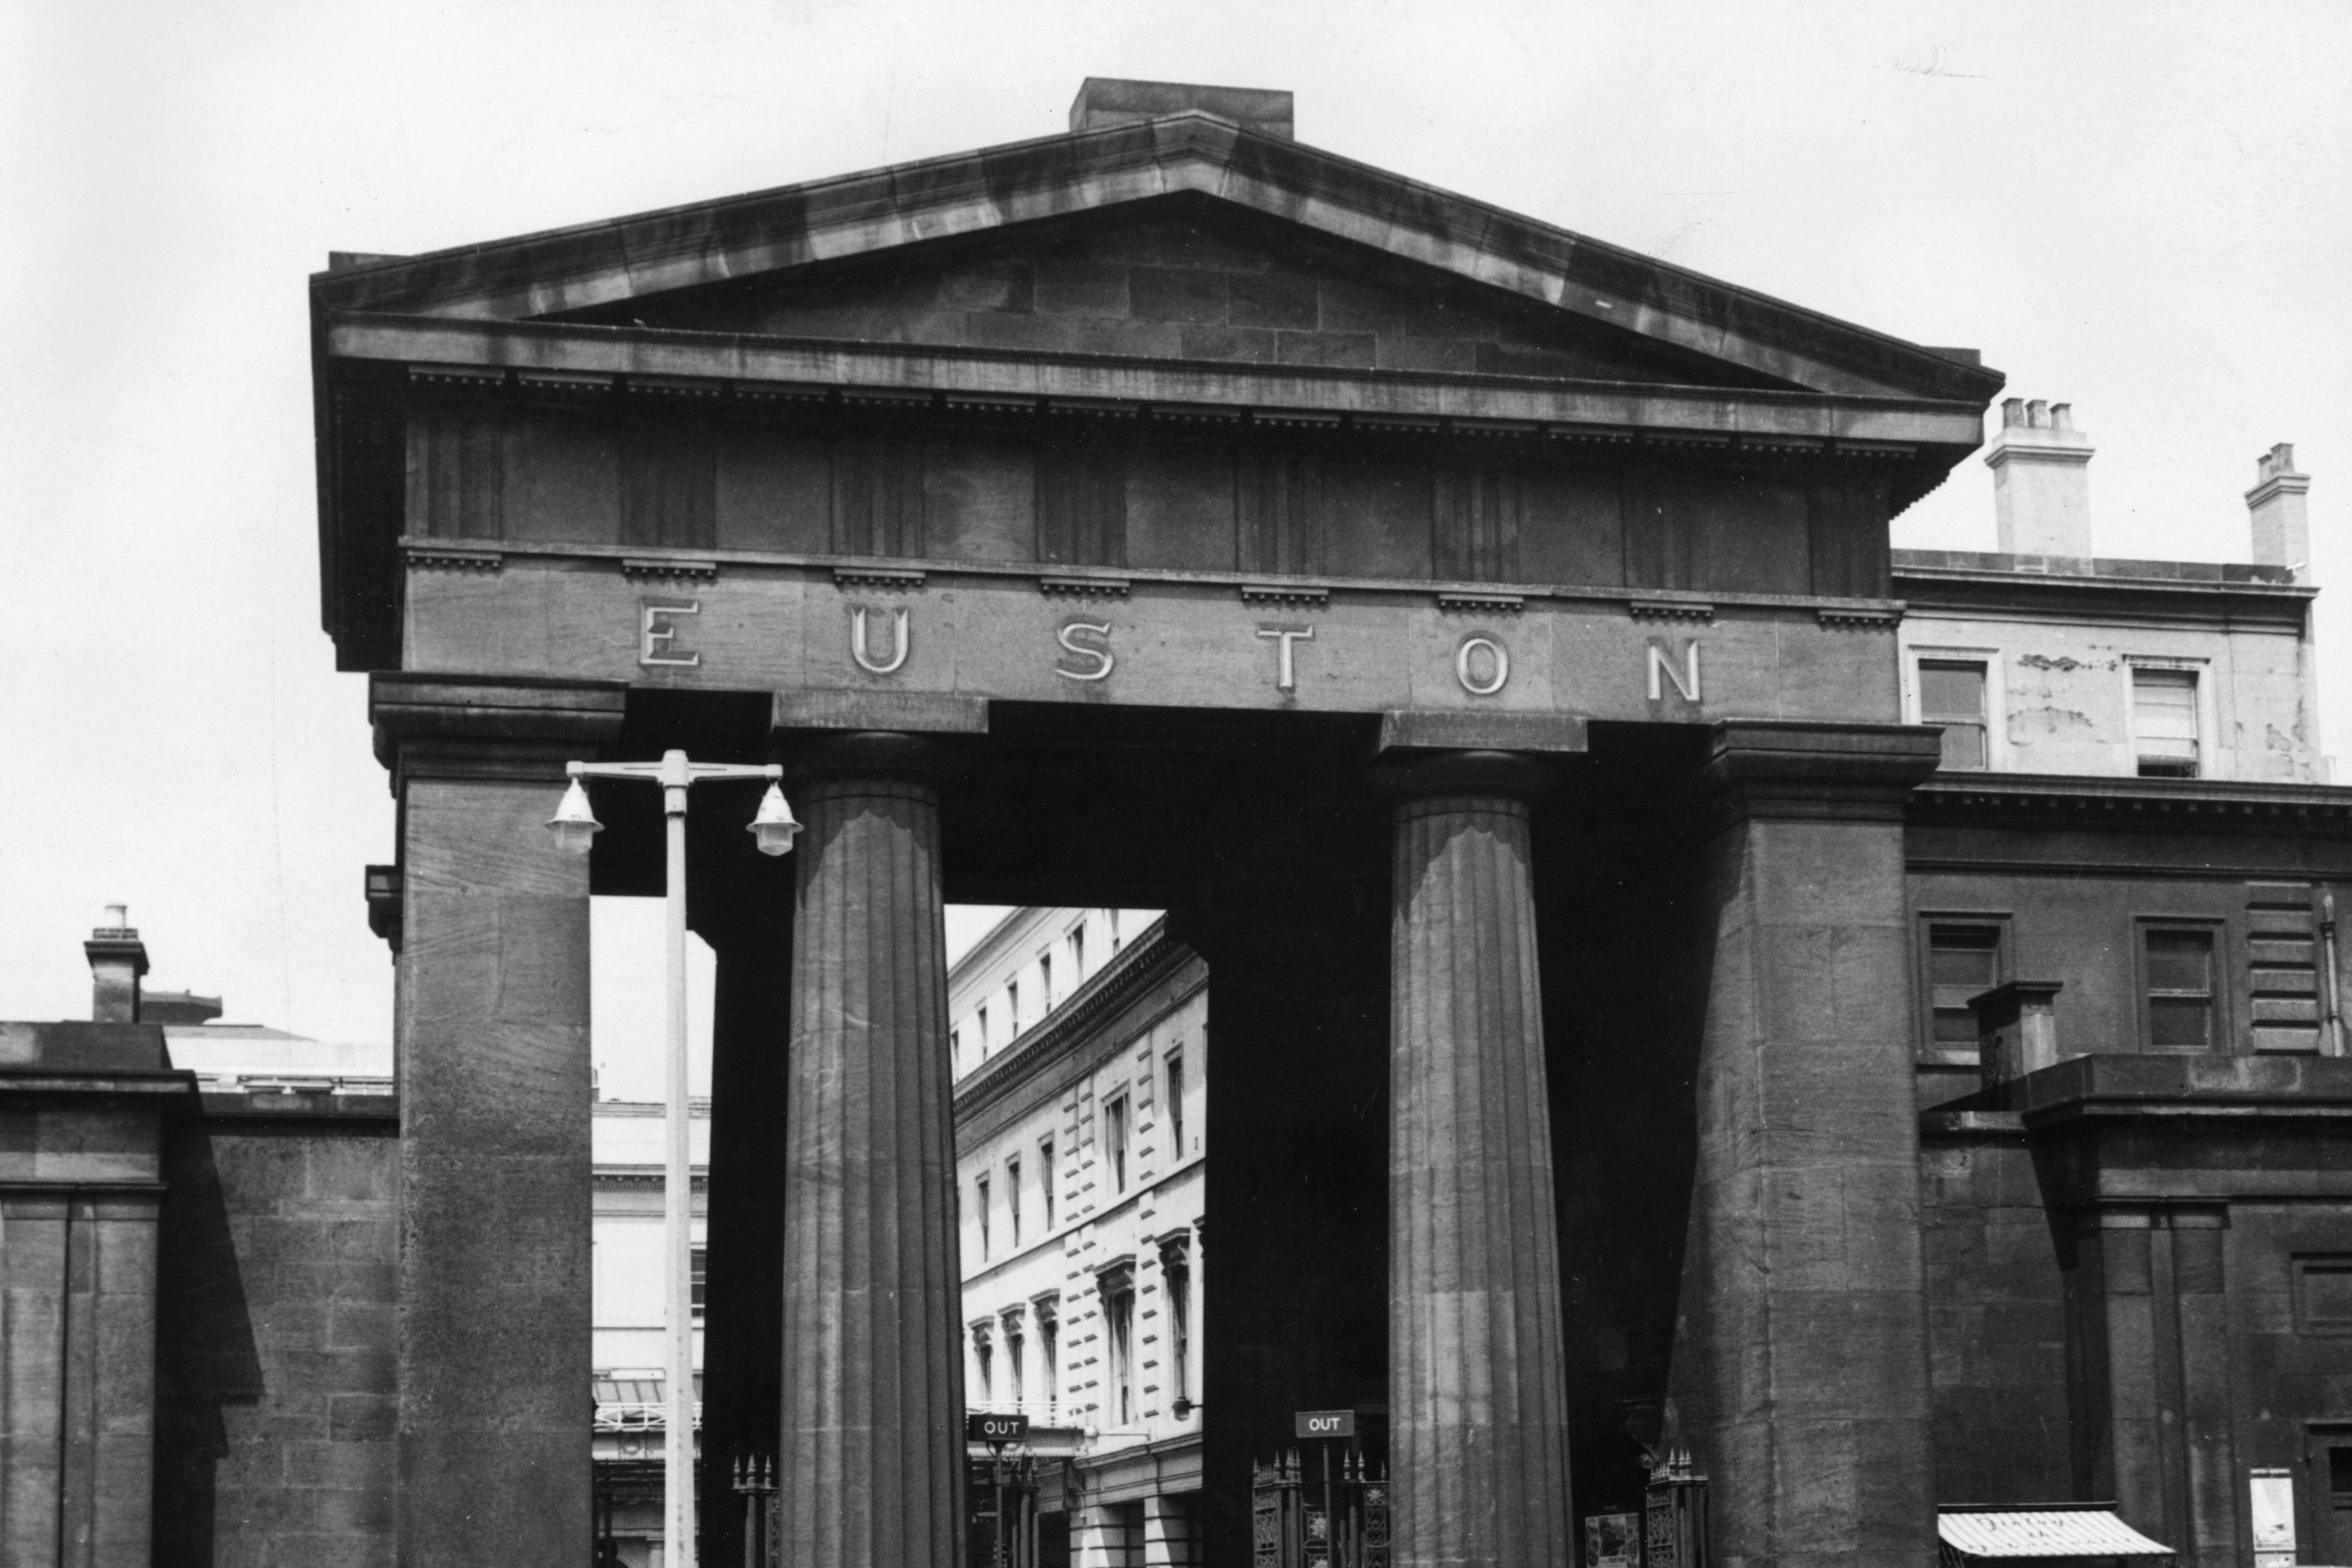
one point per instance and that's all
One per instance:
(495, 1086)
(1801, 1374)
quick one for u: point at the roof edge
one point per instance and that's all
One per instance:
(878, 211)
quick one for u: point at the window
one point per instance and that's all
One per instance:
(955, 1048)
(2177, 969)
(1079, 954)
(980, 1028)
(1015, 1388)
(2164, 723)
(2323, 1294)
(1012, 1008)
(1046, 1178)
(1045, 981)
(983, 1360)
(1114, 1140)
(697, 1274)
(1049, 1347)
(1119, 1329)
(1952, 694)
(1176, 1104)
(979, 1202)
(1176, 1273)
(1114, 933)
(1013, 1197)
(1963, 961)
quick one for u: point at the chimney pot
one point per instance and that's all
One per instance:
(2013, 412)
(2062, 416)
(2037, 414)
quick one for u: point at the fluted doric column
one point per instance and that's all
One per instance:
(872, 1445)
(1478, 1442)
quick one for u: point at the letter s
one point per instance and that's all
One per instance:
(1099, 653)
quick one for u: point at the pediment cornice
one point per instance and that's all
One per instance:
(1190, 155)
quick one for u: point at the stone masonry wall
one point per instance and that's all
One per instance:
(276, 1384)
(1996, 1324)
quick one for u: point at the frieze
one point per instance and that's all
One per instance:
(1162, 639)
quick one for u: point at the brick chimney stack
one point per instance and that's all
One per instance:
(117, 960)
(2041, 480)
(2276, 507)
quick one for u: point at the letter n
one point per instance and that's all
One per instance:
(1664, 672)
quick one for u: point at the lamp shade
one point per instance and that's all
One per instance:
(575, 827)
(774, 829)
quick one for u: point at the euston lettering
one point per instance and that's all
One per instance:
(656, 634)
(862, 651)
(1099, 653)
(1497, 664)
(1286, 668)
(1662, 672)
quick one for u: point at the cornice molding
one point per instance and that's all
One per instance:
(1142, 964)
(2133, 805)
(1735, 424)
(880, 211)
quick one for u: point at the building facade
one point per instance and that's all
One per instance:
(1081, 1155)
(1635, 1004)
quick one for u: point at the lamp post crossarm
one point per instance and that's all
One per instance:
(674, 771)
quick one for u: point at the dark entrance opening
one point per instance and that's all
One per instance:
(1256, 832)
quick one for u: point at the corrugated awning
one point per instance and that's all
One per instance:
(637, 1403)
(2079, 1531)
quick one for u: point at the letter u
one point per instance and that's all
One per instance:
(900, 643)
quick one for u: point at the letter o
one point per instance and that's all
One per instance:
(1494, 649)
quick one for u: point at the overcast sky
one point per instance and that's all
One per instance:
(2142, 208)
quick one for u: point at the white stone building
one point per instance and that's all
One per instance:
(2043, 657)
(1080, 1119)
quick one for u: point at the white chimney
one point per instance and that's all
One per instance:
(2276, 507)
(2041, 480)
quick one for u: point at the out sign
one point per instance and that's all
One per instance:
(980, 1428)
(1327, 1424)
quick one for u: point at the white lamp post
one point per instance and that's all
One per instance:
(575, 828)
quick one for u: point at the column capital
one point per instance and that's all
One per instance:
(1793, 769)
(1409, 781)
(489, 726)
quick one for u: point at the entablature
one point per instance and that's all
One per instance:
(556, 360)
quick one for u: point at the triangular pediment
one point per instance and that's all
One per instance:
(941, 246)
(1180, 278)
